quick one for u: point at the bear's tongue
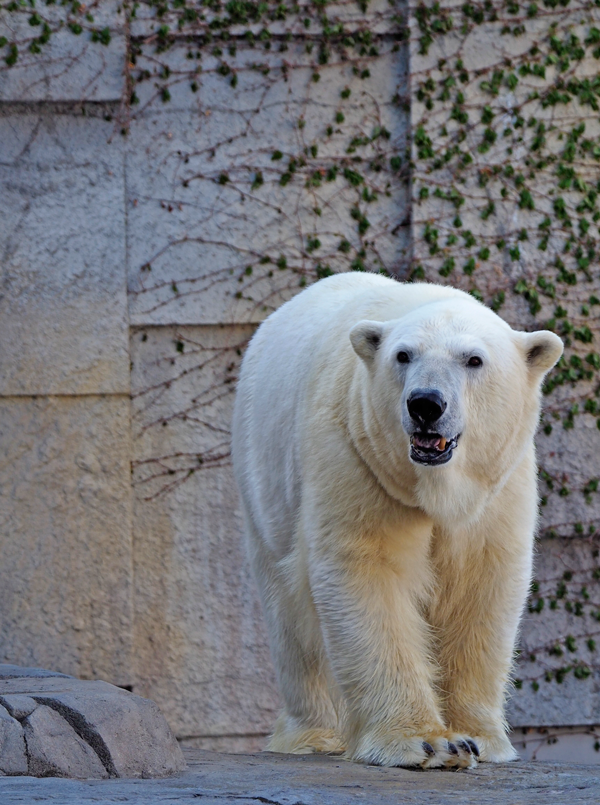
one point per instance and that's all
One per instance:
(430, 442)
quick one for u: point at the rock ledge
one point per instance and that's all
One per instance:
(218, 779)
(53, 725)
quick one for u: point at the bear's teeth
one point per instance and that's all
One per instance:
(442, 444)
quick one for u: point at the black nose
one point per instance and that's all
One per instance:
(426, 407)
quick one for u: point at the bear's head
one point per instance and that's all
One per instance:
(458, 392)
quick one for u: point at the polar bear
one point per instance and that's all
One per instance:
(383, 449)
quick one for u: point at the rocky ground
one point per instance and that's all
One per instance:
(214, 779)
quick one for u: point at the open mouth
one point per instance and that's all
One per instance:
(431, 448)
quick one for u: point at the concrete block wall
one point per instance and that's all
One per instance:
(199, 641)
(162, 189)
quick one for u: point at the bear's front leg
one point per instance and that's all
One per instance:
(482, 586)
(369, 582)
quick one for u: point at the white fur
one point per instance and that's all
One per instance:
(392, 591)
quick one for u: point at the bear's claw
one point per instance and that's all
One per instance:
(428, 749)
(462, 752)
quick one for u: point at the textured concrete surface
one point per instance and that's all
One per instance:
(376, 14)
(214, 779)
(571, 457)
(63, 307)
(575, 744)
(573, 701)
(199, 643)
(59, 726)
(196, 224)
(65, 534)
(74, 68)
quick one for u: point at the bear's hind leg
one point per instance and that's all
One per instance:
(309, 720)
(291, 737)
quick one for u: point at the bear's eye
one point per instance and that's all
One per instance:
(403, 357)
(474, 361)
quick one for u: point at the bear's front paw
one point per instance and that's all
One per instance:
(496, 749)
(427, 752)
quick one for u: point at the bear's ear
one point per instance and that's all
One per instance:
(542, 350)
(366, 337)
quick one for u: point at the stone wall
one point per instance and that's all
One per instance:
(170, 173)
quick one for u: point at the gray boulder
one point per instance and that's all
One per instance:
(13, 759)
(55, 749)
(56, 725)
